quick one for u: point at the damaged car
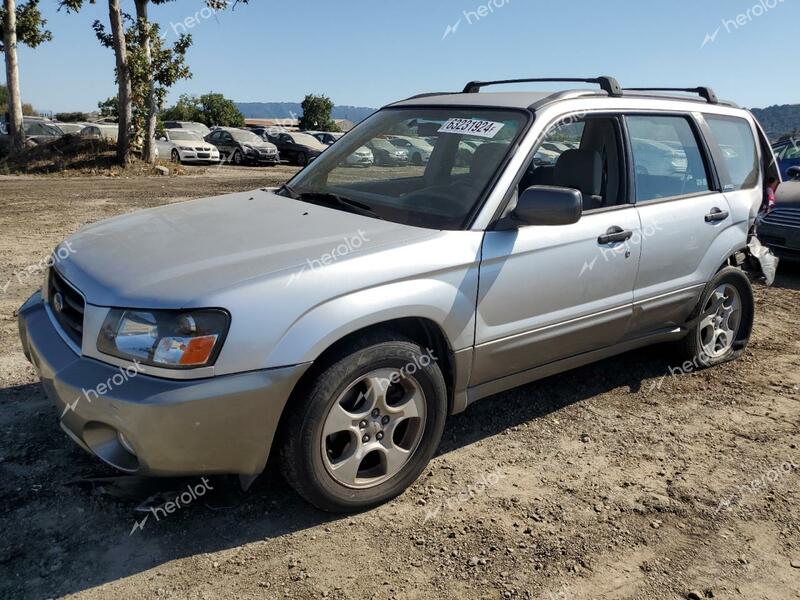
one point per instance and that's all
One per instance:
(336, 323)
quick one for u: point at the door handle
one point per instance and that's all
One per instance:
(716, 214)
(615, 234)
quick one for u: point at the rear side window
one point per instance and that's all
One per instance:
(735, 139)
(666, 158)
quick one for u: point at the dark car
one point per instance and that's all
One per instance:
(788, 155)
(779, 229)
(297, 148)
(326, 137)
(240, 146)
(387, 154)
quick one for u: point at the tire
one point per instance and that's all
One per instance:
(237, 158)
(365, 458)
(302, 159)
(416, 160)
(175, 157)
(718, 331)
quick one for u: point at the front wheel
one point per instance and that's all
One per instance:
(238, 159)
(302, 159)
(175, 156)
(724, 320)
(367, 426)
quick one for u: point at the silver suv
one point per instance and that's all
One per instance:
(337, 322)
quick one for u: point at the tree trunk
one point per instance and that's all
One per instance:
(148, 151)
(124, 83)
(15, 129)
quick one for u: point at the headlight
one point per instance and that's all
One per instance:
(249, 150)
(186, 148)
(164, 338)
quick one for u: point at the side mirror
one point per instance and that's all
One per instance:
(546, 205)
(794, 172)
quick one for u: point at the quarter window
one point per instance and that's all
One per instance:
(737, 146)
(666, 157)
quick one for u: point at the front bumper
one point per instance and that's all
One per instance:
(223, 424)
(783, 240)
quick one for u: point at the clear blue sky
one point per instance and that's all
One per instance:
(368, 53)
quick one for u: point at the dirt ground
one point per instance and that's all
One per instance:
(617, 480)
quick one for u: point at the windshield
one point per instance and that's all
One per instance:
(307, 140)
(240, 135)
(436, 189)
(182, 134)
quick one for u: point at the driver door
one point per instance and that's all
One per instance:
(550, 292)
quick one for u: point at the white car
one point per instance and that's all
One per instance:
(419, 150)
(362, 157)
(100, 131)
(185, 145)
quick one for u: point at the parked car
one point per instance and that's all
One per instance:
(419, 150)
(99, 131)
(386, 153)
(200, 128)
(779, 229)
(326, 137)
(70, 128)
(203, 337)
(185, 145)
(297, 148)
(37, 131)
(788, 155)
(240, 146)
(658, 158)
(362, 157)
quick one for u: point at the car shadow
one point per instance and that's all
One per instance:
(76, 523)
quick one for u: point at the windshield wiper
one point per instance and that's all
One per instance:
(346, 203)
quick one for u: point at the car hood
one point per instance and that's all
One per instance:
(180, 255)
(260, 145)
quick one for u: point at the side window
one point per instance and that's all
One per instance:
(667, 159)
(584, 155)
(734, 136)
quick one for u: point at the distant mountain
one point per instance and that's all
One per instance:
(289, 110)
(779, 121)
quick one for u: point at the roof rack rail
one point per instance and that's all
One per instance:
(608, 84)
(704, 92)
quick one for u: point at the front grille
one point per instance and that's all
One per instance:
(783, 216)
(67, 305)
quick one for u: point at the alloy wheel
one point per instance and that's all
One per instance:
(373, 428)
(720, 320)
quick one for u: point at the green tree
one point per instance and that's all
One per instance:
(211, 109)
(109, 107)
(187, 108)
(21, 24)
(317, 113)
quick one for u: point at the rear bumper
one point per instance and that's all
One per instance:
(223, 424)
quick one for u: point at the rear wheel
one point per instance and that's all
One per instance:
(416, 159)
(721, 330)
(366, 427)
(302, 159)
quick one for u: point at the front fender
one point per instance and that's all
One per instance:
(448, 300)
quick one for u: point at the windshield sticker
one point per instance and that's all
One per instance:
(485, 129)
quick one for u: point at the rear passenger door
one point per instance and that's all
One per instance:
(682, 213)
